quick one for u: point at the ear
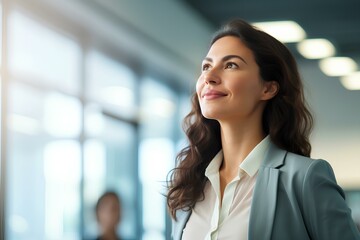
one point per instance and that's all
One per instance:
(271, 88)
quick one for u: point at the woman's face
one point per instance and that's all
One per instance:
(109, 213)
(230, 87)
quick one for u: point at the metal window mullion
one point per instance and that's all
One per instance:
(83, 83)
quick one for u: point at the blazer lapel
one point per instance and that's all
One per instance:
(265, 195)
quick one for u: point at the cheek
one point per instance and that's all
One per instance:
(247, 86)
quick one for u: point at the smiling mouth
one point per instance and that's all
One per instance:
(211, 96)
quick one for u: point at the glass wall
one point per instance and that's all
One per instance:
(43, 128)
(80, 122)
(44, 164)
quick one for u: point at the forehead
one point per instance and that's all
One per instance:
(229, 45)
(108, 199)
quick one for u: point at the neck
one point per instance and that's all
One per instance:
(238, 140)
(109, 235)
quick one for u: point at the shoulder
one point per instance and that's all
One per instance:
(301, 164)
(299, 160)
(292, 166)
(305, 172)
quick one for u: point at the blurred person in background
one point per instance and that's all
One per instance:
(247, 172)
(108, 215)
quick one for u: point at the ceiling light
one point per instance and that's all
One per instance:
(316, 48)
(351, 81)
(337, 66)
(284, 31)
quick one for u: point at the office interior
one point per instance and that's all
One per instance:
(93, 93)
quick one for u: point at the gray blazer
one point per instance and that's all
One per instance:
(295, 198)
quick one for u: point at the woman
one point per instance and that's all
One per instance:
(246, 173)
(108, 215)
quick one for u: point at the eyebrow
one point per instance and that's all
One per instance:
(227, 57)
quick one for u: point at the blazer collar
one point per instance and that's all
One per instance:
(265, 195)
(275, 157)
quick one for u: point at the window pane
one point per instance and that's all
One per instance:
(25, 210)
(111, 84)
(43, 172)
(33, 111)
(153, 170)
(62, 173)
(110, 164)
(62, 115)
(158, 108)
(41, 55)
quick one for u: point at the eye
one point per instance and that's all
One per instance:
(231, 65)
(205, 67)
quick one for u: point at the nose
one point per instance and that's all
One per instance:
(211, 77)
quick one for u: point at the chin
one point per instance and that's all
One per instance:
(211, 115)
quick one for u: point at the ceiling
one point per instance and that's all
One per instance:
(337, 21)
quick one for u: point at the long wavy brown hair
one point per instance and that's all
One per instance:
(286, 117)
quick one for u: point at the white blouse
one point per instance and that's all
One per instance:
(210, 220)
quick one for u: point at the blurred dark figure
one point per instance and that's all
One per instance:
(108, 215)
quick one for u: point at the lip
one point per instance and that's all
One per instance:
(212, 94)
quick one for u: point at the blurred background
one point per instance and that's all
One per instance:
(93, 93)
